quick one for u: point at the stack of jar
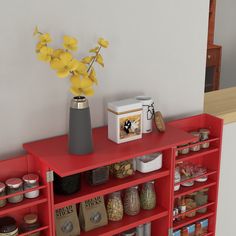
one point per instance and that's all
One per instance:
(18, 185)
(9, 226)
(202, 136)
(132, 202)
(184, 206)
(200, 228)
(188, 170)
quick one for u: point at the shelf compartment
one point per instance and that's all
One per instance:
(193, 155)
(34, 231)
(23, 192)
(87, 192)
(196, 187)
(195, 209)
(128, 222)
(13, 207)
(197, 177)
(188, 221)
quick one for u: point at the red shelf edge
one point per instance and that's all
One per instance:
(73, 199)
(34, 231)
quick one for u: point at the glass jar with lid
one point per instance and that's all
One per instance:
(31, 181)
(2, 194)
(148, 196)
(30, 223)
(115, 210)
(201, 198)
(205, 136)
(123, 169)
(132, 201)
(98, 176)
(8, 226)
(196, 147)
(15, 185)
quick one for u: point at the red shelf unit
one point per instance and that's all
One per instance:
(51, 155)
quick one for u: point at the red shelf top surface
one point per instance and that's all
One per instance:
(54, 151)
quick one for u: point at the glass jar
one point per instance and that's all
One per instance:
(196, 147)
(123, 169)
(184, 150)
(3, 202)
(187, 172)
(115, 209)
(148, 196)
(148, 229)
(31, 181)
(177, 178)
(190, 205)
(205, 136)
(15, 185)
(201, 199)
(131, 201)
(30, 223)
(131, 232)
(98, 176)
(200, 171)
(140, 230)
(8, 226)
(182, 207)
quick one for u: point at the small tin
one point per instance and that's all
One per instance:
(8, 226)
(205, 136)
(185, 150)
(197, 147)
(125, 120)
(2, 194)
(15, 185)
(31, 181)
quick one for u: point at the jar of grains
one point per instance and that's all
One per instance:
(2, 194)
(115, 209)
(131, 201)
(31, 181)
(15, 185)
(30, 223)
(8, 226)
(148, 196)
(123, 169)
(196, 147)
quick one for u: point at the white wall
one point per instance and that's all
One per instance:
(157, 47)
(225, 35)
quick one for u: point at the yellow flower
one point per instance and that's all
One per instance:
(64, 64)
(45, 38)
(99, 60)
(94, 49)
(70, 43)
(92, 76)
(45, 54)
(36, 31)
(87, 60)
(103, 43)
(57, 53)
(39, 46)
(81, 86)
(81, 69)
(79, 91)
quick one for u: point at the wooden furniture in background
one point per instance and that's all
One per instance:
(213, 61)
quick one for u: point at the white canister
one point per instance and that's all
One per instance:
(124, 120)
(148, 112)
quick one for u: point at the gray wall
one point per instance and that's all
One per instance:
(157, 47)
(225, 35)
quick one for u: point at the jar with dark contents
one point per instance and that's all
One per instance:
(30, 223)
(132, 201)
(148, 196)
(2, 194)
(98, 176)
(8, 226)
(15, 185)
(204, 136)
(31, 181)
(196, 147)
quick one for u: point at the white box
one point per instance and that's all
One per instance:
(124, 120)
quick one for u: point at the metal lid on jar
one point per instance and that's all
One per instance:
(195, 134)
(79, 102)
(31, 178)
(204, 131)
(7, 225)
(30, 218)
(2, 187)
(14, 182)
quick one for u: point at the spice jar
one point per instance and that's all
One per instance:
(131, 201)
(30, 223)
(2, 194)
(201, 199)
(196, 147)
(148, 196)
(205, 136)
(200, 171)
(187, 172)
(115, 209)
(190, 205)
(98, 176)
(15, 185)
(185, 149)
(177, 178)
(148, 229)
(140, 230)
(122, 169)
(182, 207)
(8, 226)
(31, 181)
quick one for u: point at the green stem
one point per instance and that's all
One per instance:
(94, 59)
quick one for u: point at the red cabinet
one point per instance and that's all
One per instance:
(51, 154)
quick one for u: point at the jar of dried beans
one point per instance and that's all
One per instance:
(115, 209)
(148, 196)
(131, 201)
